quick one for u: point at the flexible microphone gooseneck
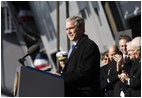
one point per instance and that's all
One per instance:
(32, 50)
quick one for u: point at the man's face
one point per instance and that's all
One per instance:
(137, 52)
(131, 53)
(123, 46)
(111, 53)
(73, 31)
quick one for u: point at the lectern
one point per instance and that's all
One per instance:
(31, 82)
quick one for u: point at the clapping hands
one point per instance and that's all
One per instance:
(119, 59)
(123, 76)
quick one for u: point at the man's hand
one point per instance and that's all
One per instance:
(56, 73)
(118, 58)
(123, 76)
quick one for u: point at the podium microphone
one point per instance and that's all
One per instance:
(32, 50)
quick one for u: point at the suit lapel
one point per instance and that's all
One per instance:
(73, 52)
(135, 66)
(84, 37)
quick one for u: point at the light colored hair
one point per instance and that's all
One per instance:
(79, 22)
(136, 42)
(128, 43)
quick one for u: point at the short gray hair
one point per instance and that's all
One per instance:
(137, 42)
(78, 21)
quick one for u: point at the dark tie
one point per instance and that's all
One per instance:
(125, 58)
(70, 51)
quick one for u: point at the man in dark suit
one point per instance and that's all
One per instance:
(118, 66)
(123, 39)
(115, 66)
(133, 80)
(114, 77)
(107, 89)
(81, 71)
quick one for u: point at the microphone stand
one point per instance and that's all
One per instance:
(21, 60)
(33, 49)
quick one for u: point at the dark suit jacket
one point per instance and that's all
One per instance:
(119, 86)
(81, 73)
(106, 88)
(135, 80)
(113, 76)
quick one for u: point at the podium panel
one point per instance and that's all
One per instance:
(32, 82)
